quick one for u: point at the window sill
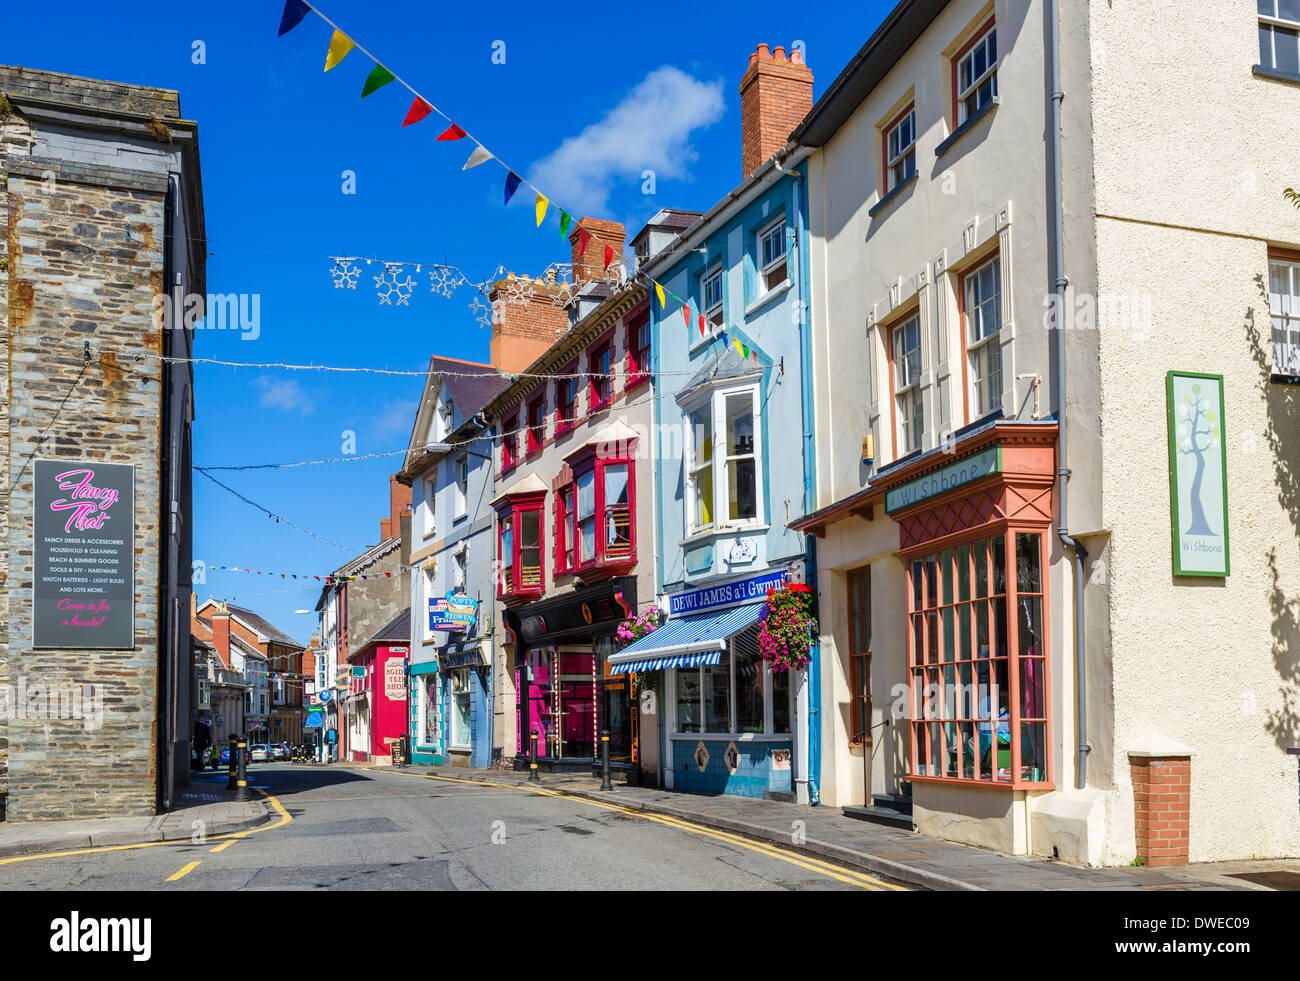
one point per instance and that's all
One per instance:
(636, 381)
(966, 127)
(747, 737)
(1274, 74)
(986, 784)
(722, 532)
(767, 298)
(1277, 379)
(892, 196)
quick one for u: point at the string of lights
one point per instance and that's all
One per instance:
(279, 518)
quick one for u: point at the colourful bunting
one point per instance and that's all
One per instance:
(703, 332)
(480, 155)
(745, 351)
(541, 209)
(686, 314)
(565, 218)
(512, 184)
(452, 132)
(294, 12)
(659, 292)
(584, 239)
(739, 347)
(377, 79)
(340, 45)
(419, 109)
(609, 255)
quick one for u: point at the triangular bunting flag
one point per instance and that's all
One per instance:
(755, 354)
(340, 45)
(745, 351)
(609, 255)
(724, 338)
(659, 292)
(739, 347)
(512, 184)
(584, 239)
(452, 132)
(686, 314)
(378, 78)
(565, 218)
(541, 209)
(294, 12)
(419, 109)
(703, 332)
(480, 155)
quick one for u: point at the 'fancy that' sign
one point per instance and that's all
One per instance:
(84, 555)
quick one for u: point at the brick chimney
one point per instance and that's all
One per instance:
(775, 95)
(590, 263)
(399, 503)
(526, 320)
(221, 632)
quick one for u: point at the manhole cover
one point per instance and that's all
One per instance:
(1281, 881)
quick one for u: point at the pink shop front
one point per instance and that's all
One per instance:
(376, 698)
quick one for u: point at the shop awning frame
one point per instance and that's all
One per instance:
(686, 642)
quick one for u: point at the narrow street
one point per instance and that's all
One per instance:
(360, 829)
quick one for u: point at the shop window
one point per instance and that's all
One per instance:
(859, 607)
(751, 684)
(509, 443)
(900, 149)
(689, 710)
(1279, 35)
(459, 683)
(536, 434)
(1284, 313)
(600, 367)
(782, 709)
(976, 74)
(982, 315)
(738, 695)
(638, 346)
(566, 409)
(728, 481)
(519, 546)
(597, 512)
(566, 539)
(909, 414)
(977, 661)
(772, 272)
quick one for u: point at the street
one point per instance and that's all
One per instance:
(339, 828)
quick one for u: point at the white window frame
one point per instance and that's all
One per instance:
(714, 314)
(430, 492)
(1272, 21)
(975, 345)
(990, 71)
(909, 438)
(446, 419)
(460, 485)
(1285, 307)
(896, 159)
(769, 732)
(459, 686)
(460, 569)
(779, 262)
(429, 575)
(717, 405)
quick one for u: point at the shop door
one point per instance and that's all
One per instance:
(577, 703)
(536, 705)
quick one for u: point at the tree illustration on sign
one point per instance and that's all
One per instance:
(1198, 436)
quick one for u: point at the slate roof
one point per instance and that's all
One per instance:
(264, 627)
(728, 363)
(471, 385)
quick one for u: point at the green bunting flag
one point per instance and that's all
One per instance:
(380, 77)
(565, 218)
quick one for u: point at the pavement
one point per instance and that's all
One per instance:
(206, 802)
(905, 857)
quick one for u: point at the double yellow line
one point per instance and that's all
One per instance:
(860, 879)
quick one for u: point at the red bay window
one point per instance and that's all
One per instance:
(596, 512)
(638, 350)
(520, 546)
(536, 434)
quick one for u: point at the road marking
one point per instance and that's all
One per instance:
(285, 818)
(184, 872)
(846, 875)
(224, 845)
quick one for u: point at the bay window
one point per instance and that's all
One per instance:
(1284, 313)
(976, 71)
(596, 512)
(909, 414)
(725, 482)
(520, 545)
(977, 661)
(1279, 35)
(982, 311)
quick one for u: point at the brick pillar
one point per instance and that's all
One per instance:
(1161, 807)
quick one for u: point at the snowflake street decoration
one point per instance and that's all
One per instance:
(519, 292)
(345, 273)
(388, 286)
(482, 312)
(564, 293)
(444, 280)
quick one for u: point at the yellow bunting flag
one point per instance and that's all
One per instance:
(740, 348)
(659, 292)
(541, 209)
(340, 45)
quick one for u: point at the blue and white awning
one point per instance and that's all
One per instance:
(686, 642)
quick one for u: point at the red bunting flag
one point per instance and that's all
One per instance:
(609, 255)
(452, 132)
(686, 314)
(419, 109)
(584, 239)
(703, 332)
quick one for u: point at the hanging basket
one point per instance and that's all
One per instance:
(785, 631)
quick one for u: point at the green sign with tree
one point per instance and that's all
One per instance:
(1198, 474)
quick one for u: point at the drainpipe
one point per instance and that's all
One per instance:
(809, 469)
(1056, 243)
(481, 421)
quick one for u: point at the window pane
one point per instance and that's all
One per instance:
(1266, 45)
(616, 485)
(587, 536)
(587, 494)
(1033, 755)
(740, 424)
(1286, 44)
(741, 498)
(750, 678)
(1268, 8)
(717, 695)
(1028, 574)
(781, 702)
(688, 700)
(1289, 9)
(1031, 684)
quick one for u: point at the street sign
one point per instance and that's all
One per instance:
(326, 695)
(455, 611)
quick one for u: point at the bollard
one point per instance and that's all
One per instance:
(241, 785)
(231, 780)
(604, 761)
(532, 761)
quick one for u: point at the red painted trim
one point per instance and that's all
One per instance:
(563, 425)
(956, 60)
(509, 444)
(638, 369)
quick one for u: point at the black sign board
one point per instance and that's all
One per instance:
(84, 555)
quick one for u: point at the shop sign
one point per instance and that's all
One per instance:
(462, 659)
(314, 720)
(83, 590)
(964, 471)
(734, 593)
(395, 679)
(358, 672)
(1198, 474)
(455, 611)
(325, 695)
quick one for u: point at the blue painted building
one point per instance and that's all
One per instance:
(733, 465)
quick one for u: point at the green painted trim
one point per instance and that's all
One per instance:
(1175, 515)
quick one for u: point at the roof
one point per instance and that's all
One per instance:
(263, 626)
(891, 40)
(396, 630)
(470, 385)
(531, 484)
(725, 364)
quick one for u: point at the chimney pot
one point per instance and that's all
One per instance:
(763, 54)
(775, 95)
(779, 53)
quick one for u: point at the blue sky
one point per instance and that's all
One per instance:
(581, 105)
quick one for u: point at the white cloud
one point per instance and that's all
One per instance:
(397, 416)
(287, 395)
(649, 130)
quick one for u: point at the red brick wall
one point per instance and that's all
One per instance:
(775, 94)
(221, 637)
(522, 332)
(590, 264)
(1161, 808)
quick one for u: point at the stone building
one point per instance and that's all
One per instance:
(103, 219)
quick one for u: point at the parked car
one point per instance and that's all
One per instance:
(225, 756)
(259, 753)
(279, 751)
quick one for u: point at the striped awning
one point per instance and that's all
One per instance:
(686, 642)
